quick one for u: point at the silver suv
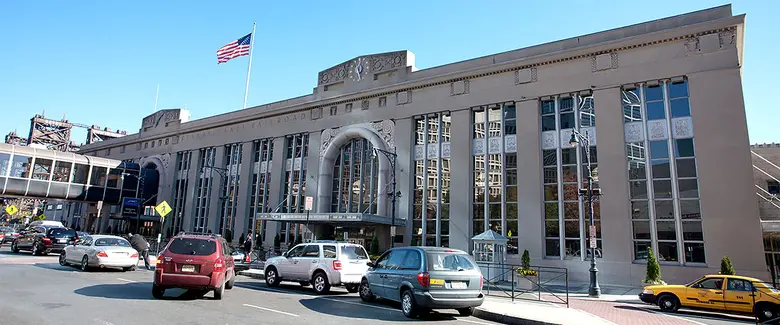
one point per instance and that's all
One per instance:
(321, 263)
(425, 278)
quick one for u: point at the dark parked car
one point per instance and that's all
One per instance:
(197, 262)
(425, 278)
(42, 240)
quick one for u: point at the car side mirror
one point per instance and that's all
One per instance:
(370, 264)
(284, 254)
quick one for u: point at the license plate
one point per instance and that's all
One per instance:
(458, 285)
(61, 241)
(188, 268)
(121, 253)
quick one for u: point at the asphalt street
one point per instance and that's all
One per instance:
(37, 291)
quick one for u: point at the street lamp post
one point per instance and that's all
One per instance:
(392, 157)
(578, 139)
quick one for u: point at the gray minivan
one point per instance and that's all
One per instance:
(425, 278)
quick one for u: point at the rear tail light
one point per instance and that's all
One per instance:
(160, 259)
(219, 265)
(424, 279)
(15, 234)
(134, 255)
(102, 254)
(337, 265)
(481, 281)
(46, 239)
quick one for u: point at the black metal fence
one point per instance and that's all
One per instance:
(540, 283)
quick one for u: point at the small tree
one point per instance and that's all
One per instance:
(374, 246)
(725, 266)
(653, 275)
(525, 265)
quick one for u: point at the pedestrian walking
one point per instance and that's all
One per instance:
(248, 248)
(139, 243)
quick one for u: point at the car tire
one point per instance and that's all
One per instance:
(219, 292)
(668, 303)
(14, 247)
(320, 283)
(468, 311)
(129, 268)
(62, 260)
(84, 266)
(229, 284)
(36, 249)
(365, 292)
(765, 312)
(157, 291)
(352, 288)
(408, 306)
(271, 277)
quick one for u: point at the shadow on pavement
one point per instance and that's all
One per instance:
(71, 268)
(132, 291)
(694, 314)
(353, 307)
(290, 288)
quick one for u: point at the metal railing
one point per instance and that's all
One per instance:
(540, 283)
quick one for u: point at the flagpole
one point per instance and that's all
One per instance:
(249, 70)
(156, 97)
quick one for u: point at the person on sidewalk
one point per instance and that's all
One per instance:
(139, 243)
(248, 248)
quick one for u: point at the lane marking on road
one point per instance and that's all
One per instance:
(672, 316)
(473, 322)
(361, 304)
(102, 322)
(126, 280)
(272, 310)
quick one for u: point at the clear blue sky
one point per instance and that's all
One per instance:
(99, 62)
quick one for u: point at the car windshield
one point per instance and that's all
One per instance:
(448, 262)
(354, 252)
(193, 246)
(62, 233)
(768, 287)
(112, 242)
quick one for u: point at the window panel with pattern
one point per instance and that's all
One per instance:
(432, 179)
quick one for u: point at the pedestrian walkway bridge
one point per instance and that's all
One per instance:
(41, 173)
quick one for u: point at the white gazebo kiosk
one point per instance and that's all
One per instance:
(490, 254)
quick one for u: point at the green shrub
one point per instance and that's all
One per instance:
(525, 266)
(725, 266)
(653, 275)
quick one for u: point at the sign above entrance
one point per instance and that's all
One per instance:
(353, 218)
(309, 203)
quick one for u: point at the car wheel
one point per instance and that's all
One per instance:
(219, 292)
(85, 263)
(63, 262)
(668, 303)
(365, 292)
(320, 283)
(36, 250)
(352, 288)
(407, 304)
(229, 284)
(304, 283)
(157, 292)
(14, 247)
(765, 312)
(271, 277)
(468, 311)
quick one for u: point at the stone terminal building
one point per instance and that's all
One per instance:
(484, 144)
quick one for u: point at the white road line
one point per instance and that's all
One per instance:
(102, 322)
(471, 321)
(360, 304)
(273, 310)
(126, 280)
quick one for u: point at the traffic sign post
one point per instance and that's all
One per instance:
(308, 206)
(163, 209)
(11, 209)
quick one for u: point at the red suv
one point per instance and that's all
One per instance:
(198, 262)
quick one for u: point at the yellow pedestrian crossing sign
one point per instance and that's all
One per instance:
(41, 217)
(163, 209)
(11, 209)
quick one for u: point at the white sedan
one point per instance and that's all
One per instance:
(100, 251)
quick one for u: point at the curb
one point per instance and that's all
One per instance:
(506, 319)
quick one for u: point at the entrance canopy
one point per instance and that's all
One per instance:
(340, 219)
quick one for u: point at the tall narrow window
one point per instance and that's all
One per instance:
(296, 151)
(494, 152)
(432, 180)
(203, 190)
(263, 151)
(180, 186)
(566, 214)
(232, 166)
(662, 173)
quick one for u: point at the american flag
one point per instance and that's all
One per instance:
(234, 49)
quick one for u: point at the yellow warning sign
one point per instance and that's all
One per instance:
(11, 209)
(163, 209)
(41, 217)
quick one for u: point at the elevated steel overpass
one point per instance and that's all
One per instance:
(47, 174)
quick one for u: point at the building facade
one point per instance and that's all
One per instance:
(448, 152)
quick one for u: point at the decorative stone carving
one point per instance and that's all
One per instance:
(348, 108)
(288, 164)
(364, 104)
(510, 143)
(433, 150)
(728, 36)
(459, 87)
(446, 149)
(316, 113)
(383, 101)
(358, 68)
(692, 45)
(162, 116)
(524, 76)
(657, 130)
(386, 131)
(387, 61)
(166, 159)
(404, 97)
(335, 74)
(494, 145)
(604, 62)
(478, 147)
(682, 127)
(634, 132)
(565, 136)
(419, 152)
(549, 140)
(327, 135)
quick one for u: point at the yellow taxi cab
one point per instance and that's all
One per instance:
(729, 293)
